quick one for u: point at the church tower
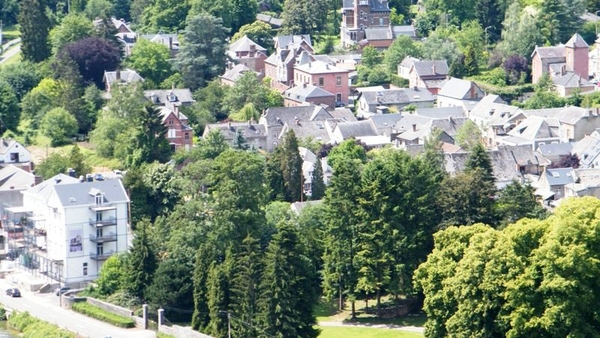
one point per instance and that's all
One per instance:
(577, 56)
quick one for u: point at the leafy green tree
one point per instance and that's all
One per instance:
(211, 146)
(490, 13)
(287, 297)
(340, 235)
(137, 9)
(401, 47)
(471, 40)
(560, 19)
(34, 28)
(72, 28)
(468, 135)
(438, 47)
(42, 98)
(202, 57)
(257, 31)
(9, 10)
(317, 183)
(544, 95)
(304, 16)
(591, 100)
(59, 125)
(141, 262)
(249, 90)
(245, 288)
(92, 56)
(163, 192)
(22, 77)
(77, 161)
(121, 9)
(520, 32)
(219, 9)
(172, 274)
(516, 201)
(111, 277)
(56, 163)
(370, 57)
(10, 113)
(211, 98)
(98, 8)
(165, 15)
(291, 168)
(150, 60)
(457, 67)
(349, 149)
(471, 66)
(243, 12)
(149, 142)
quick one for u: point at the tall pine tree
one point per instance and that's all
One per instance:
(141, 262)
(291, 168)
(35, 27)
(317, 183)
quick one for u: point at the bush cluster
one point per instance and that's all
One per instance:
(34, 328)
(103, 315)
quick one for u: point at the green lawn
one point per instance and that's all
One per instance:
(9, 33)
(365, 332)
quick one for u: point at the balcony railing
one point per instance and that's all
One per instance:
(104, 238)
(104, 222)
(101, 257)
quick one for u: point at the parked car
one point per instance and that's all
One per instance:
(13, 292)
(99, 177)
(62, 290)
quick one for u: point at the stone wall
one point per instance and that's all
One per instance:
(181, 332)
(110, 307)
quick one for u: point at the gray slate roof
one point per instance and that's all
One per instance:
(126, 75)
(356, 129)
(229, 130)
(550, 52)
(461, 89)
(441, 112)
(385, 120)
(397, 96)
(431, 68)
(14, 178)
(236, 72)
(379, 5)
(171, 41)
(379, 33)
(576, 41)
(408, 30)
(244, 44)
(559, 176)
(81, 193)
(555, 149)
(283, 115)
(307, 91)
(163, 96)
(570, 80)
(284, 40)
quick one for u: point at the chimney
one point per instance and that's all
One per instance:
(433, 68)
(118, 74)
(37, 179)
(414, 127)
(250, 122)
(170, 42)
(563, 70)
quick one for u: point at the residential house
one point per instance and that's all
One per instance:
(254, 134)
(274, 120)
(171, 41)
(567, 65)
(309, 160)
(533, 132)
(378, 37)
(358, 16)
(326, 76)
(588, 150)
(594, 63)
(380, 102)
(576, 122)
(14, 180)
(405, 66)
(179, 133)
(408, 30)
(125, 35)
(440, 112)
(428, 74)
(273, 21)
(586, 182)
(248, 53)
(120, 77)
(279, 66)
(509, 163)
(423, 130)
(495, 118)
(553, 152)
(307, 94)
(551, 184)
(170, 97)
(459, 93)
(68, 228)
(297, 207)
(357, 129)
(13, 152)
(234, 73)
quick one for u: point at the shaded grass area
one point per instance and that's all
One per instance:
(410, 320)
(361, 332)
(327, 311)
(10, 32)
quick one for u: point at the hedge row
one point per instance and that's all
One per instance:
(34, 328)
(103, 315)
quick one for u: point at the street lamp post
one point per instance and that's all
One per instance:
(486, 35)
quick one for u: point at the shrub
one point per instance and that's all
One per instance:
(103, 315)
(34, 328)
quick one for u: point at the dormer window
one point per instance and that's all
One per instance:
(98, 199)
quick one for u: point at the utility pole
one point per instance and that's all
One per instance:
(486, 36)
(228, 324)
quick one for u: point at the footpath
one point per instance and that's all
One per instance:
(374, 326)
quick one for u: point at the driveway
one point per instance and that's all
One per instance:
(46, 307)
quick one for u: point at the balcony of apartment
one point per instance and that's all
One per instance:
(111, 237)
(103, 222)
(100, 208)
(101, 256)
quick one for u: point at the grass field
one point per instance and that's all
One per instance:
(9, 33)
(365, 332)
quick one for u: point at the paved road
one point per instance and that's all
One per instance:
(378, 326)
(12, 51)
(46, 307)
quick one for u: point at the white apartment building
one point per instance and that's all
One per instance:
(66, 229)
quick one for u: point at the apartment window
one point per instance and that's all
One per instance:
(172, 133)
(99, 200)
(338, 81)
(100, 250)
(98, 217)
(187, 136)
(170, 121)
(321, 82)
(380, 21)
(85, 270)
(338, 97)
(99, 232)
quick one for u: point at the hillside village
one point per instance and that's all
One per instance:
(253, 156)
